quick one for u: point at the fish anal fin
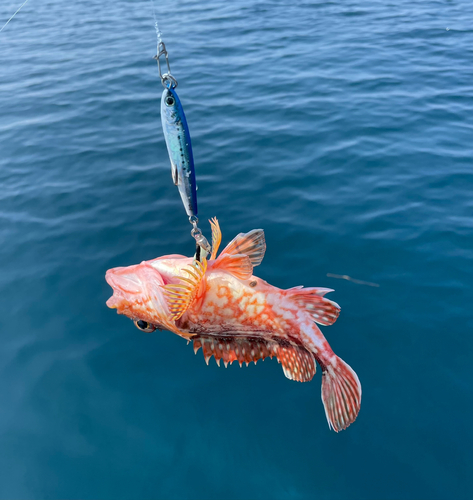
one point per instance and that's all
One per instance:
(297, 363)
(180, 295)
(252, 244)
(323, 311)
(237, 265)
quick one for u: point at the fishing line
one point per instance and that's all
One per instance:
(21, 6)
(353, 280)
(156, 27)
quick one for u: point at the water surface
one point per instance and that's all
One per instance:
(344, 129)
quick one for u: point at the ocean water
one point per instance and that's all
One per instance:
(344, 130)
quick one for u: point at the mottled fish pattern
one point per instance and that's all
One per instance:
(232, 315)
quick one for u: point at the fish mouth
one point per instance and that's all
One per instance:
(113, 302)
(124, 283)
(117, 299)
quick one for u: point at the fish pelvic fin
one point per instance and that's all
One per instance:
(179, 296)
(251, 244)
(323, 311)
(297, 363)
(236, 265)
(216, 237)
(341, 394)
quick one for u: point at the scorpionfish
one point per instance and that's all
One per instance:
(219, 305)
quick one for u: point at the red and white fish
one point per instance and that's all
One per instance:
(235, 316)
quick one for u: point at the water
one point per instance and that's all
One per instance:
(344, 129)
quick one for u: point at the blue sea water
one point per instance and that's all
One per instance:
(344, 130)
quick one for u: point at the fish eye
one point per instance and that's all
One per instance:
(169, 100)
(144, 326)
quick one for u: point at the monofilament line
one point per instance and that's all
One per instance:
(19, 8)
(156, 27)
(353, 280)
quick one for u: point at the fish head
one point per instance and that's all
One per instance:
(139, 291)
(171, 109)
(138, 294)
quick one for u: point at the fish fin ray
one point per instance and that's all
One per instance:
(179, 296)
(237, 265)
(323, 311)
(341, 394)
(241, 349)
(252, 244)
(297, 363)
(216, 237)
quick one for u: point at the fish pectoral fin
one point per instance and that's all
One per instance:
(323, 311)
(216, 237)
(297, 363)
(179, 296)
(236, 265)
(252, 244)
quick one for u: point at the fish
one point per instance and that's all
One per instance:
(222, 308)
(178, 142)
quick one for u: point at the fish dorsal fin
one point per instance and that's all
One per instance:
(180, 295)
(323, 311)
(216, 237)
(237, 265)
(252, 244)
(297, 363)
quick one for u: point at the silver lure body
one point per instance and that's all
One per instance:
(178, 142)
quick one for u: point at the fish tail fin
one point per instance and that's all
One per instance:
(341, 394)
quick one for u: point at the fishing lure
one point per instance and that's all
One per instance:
(177, 137)
(178, 142)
